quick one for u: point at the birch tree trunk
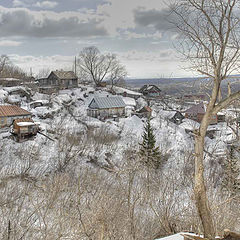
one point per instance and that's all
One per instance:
(210, 40)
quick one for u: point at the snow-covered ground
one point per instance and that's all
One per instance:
(68, 113)
(86, 143)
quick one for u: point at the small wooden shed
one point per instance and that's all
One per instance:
(24, 128)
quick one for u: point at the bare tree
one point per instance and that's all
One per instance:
(117, 73)
(9, 70)
(43, 73)
(98, 67)
(210, 41)
(4, 61)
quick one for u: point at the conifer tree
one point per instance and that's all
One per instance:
(231, 181)
(150, 153)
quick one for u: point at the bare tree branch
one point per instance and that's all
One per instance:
(98, 67)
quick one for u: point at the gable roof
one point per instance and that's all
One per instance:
(107, 102)
(199, 108)
(10, 110)
(178, 115)
(64, 75)
(145, 109)
(146, 88)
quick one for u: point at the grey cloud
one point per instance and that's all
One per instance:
(159, 19)
(21, 22)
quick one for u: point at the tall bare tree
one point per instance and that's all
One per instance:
(4, 61)
(43, 73)
(210, 41)
(98, 67)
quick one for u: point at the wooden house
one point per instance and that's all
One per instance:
(144, 112)
(8, 113)
(106, 107)
(151, 91)
(197, 112)
(58, 80)
(63, 79)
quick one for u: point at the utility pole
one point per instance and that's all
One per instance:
(75, 66)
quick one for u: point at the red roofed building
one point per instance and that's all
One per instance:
(8, 113)
(197, 112)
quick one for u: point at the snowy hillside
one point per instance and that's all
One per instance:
(67, 112)
(95, 165)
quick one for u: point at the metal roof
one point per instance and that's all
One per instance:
(65, 75)
(11, 110)
(107, 102)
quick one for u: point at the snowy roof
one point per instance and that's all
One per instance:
(167, 114)
(20, 120)
(10, 79)
(178, 236)
(145, 109)
(199, 108)
(24, 124)
(189, 124)
(106, 102)
(129, 101)
(64, 74)
(40, 101)
(122, 90)
(10, 110)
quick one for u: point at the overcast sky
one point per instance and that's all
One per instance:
(48, 34)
